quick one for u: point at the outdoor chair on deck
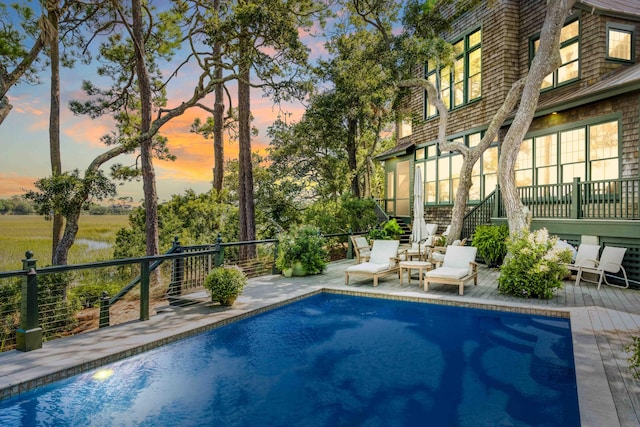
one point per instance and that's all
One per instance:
(610, 262)
(382, 261)
(361, 247)
(420, 250)
(458, 267)
(587, 256)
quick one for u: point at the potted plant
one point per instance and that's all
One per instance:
(301, 251)
(225, 284)
(491, 241)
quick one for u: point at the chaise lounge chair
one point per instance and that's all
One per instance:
(361, 247)
(382, 261)
(458, 267)
(610, 262)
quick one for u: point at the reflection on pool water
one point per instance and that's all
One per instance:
(332, 360)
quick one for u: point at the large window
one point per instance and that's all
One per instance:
(442, 172)
(569, 69)
(587, 152)
(461, 82)
(620, 42)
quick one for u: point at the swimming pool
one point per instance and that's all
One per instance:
(332, 360)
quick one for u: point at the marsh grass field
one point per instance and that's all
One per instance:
(22, 233)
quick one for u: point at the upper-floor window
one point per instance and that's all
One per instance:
(569, 69)
(406, 128)
(620, 42)
(461, 81)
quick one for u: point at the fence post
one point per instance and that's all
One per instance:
(144, 290)
(29, 335)
(104, 310)
(177, 270)
(576, 199)
(274, 269)
(496, 203)
(350, 245)
(219, 260)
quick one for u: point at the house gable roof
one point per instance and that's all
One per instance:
(622, 80)
(622, 8)
(399, 150)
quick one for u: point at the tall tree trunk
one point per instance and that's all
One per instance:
(218, 115)
(245, 189)
(52, 36)
(146, 144)
(546, 60)
(61, 252)
(352, 158)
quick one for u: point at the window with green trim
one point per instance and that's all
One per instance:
(588, 152)
(569, 69)
(461, 82)
(620, 42)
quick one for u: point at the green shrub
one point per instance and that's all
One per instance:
(225, 284)
(534, 266)
(304, 248)
(88, 295)
(388, 230)
(491, 241)
(634, 359)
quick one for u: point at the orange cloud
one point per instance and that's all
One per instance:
(13, 185)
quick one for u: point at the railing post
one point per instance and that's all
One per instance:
(104, 310)
(144, 290)
(274, 269)
(350, 245)
(29, 335)
(496, 203)
(219, 260)
(177, 270)
(576, 199)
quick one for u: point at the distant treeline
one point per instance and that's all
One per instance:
(18, 205)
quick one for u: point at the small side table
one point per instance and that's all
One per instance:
(413, 265)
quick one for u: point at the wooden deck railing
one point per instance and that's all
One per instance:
(612, 199)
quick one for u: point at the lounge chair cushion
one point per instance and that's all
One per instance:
(449, 272)
(383, 251)
(432, 229)
(367, 267)
(459, 257)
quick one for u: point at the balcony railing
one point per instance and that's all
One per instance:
(612, 199)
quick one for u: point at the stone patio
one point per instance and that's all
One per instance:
(603, 323)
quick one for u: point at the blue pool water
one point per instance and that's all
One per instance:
(331, 360)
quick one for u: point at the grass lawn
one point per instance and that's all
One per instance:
(21, 233)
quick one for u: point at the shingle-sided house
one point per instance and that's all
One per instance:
(578, 167)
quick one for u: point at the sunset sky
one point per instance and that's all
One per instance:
(25, 143)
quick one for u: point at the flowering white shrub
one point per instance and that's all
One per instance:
(534, 266)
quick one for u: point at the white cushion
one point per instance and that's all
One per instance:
(383, 250)
(362, 242)
(432, 229)
(448, 272)
(367, 267)
(429, 241)
(459, 256)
